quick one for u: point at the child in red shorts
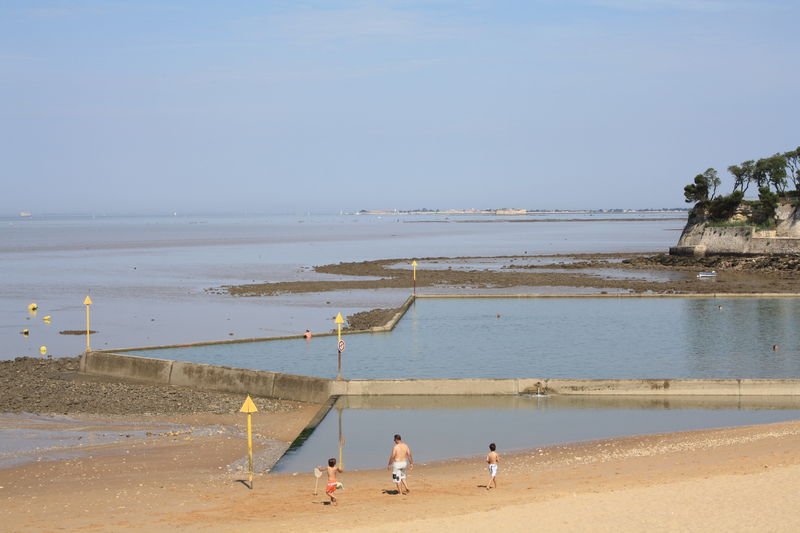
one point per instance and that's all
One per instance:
(333, 484)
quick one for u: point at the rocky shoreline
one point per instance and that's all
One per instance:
(54, 386)
(765, 274)
(762, 264)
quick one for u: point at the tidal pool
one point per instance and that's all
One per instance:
(458, 426)
(586, 338)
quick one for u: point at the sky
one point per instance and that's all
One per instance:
(194, 106)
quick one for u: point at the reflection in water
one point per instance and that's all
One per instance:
(442, 427)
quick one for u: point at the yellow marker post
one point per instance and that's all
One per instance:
(340, 344)
(249, 407)
(87, 302)
(414, 264)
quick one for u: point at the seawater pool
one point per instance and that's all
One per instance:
(581, 338)
(444, 427)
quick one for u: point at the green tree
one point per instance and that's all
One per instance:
(769, 202)
(713, 181)
(697, 191)
(771, 172)
(723, 207)
(760, 174)
(793, 165)
(742, 175)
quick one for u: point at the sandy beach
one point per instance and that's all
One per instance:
(185, 472)
(739, 479)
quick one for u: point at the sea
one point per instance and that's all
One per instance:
(152, 280)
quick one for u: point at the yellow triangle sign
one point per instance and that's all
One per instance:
(87, 301)
(339, 319)
(248, 406)
(414, 263)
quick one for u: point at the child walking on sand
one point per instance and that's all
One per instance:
(333, 484)
(492, 458)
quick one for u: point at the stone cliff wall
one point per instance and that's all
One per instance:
(700, 239)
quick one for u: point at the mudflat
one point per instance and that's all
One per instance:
(764, 274)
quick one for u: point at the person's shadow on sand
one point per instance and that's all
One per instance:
(394, 491)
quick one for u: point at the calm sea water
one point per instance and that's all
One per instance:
(147, 275)
(546, 338)
(514, 423)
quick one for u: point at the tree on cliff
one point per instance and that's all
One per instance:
(767, 173)
(771, 172)
(742, 175)
(793, 164)
(723, 207)
(768, 201)
(698, 191)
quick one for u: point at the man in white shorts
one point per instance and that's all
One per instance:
(398, 462)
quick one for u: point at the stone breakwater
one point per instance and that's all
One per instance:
(318, 390)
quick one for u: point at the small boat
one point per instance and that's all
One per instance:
(711, 274)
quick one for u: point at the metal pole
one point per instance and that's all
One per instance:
(339, 373)
(88, 302)
(341, 437)
(250, 449)
(414, 265)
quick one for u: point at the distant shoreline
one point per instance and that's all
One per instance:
(517, 212)
(544, 220)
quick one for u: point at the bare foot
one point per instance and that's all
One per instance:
(333, 500)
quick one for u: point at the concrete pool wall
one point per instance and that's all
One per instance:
(319, 390)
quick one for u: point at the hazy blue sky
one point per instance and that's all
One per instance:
(194, 106)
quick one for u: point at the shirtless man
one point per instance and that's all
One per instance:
(492, 458)
(398, 462)
(333, 483)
